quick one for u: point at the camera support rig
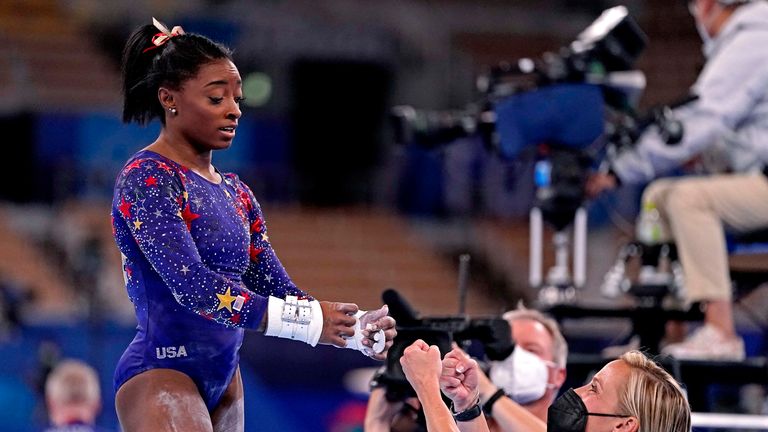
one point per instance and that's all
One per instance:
(559, 286)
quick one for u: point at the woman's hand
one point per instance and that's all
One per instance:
(338, 323)
(459, 379)
(422, 366)
(373, 321)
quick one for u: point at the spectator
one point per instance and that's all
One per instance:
(73, 397)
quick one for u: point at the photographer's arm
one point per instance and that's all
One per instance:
(380, 412)
(511, 416)
(508, 414)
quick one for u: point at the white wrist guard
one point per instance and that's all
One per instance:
(295, 319)
(356, 342)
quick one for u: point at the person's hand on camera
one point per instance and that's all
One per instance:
(380, 412)
(373, 321)
(338, 323)
(422, 366)
(600, 182)
(459, 379)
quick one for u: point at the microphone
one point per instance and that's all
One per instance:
(399, 308)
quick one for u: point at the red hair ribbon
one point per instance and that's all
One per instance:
(164, 36)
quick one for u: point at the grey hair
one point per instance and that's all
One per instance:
(559, 345)
(73, 382)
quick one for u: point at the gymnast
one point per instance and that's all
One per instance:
(197, 261)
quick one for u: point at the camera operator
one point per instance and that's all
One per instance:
(520, 388)
(530, 378)
(728, 123)
(382, 415)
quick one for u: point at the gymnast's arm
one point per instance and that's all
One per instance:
(154, 215)
(267, 276)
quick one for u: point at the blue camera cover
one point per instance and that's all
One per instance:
(570, 115)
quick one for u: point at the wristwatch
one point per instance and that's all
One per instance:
(488, 406)
(376, 379)
(468, 414)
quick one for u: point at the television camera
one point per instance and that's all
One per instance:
(492, 333)
(574, 107)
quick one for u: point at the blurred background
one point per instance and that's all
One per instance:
(350, 212)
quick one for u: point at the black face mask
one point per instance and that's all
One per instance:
(569, 414)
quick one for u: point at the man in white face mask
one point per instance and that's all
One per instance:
(725, 131)
(530, 377)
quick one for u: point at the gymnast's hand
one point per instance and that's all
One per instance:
(338, 322)
(373, 321)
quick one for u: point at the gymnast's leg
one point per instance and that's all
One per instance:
(229, 414)
(161, 400)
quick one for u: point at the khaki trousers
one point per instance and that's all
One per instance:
(696, 211)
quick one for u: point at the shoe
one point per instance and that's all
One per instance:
(615, 351)
(707, 343)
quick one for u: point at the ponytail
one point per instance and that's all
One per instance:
(139, 102)
(146, 67)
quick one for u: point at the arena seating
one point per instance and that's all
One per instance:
(49, 63)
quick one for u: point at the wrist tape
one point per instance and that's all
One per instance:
(294, 318)
(356, 342)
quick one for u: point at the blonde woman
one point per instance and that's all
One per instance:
(630, 394)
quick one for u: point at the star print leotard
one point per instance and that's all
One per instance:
(198, 268)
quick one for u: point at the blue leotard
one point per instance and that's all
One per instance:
(198, 267)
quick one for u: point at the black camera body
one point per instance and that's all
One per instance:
(492, 333)
(612, 43)
(602, 55)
